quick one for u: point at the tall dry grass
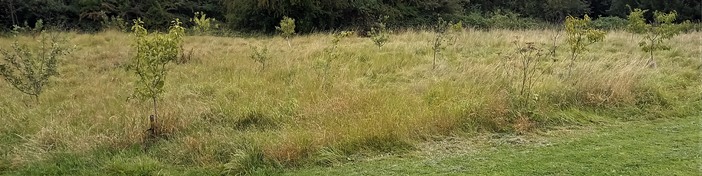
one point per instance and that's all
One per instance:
(221, 111)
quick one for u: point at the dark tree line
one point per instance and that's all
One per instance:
(87, 15)
(315, 15)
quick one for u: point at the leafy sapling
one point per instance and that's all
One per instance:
(28, 69)
(33, 31)
(444, 31)
(153, 52)
(580, 34)
(287, 28)
(380, 34)
(330, 55)
(655, 34)
(203, 24)
(260, 55)
(114, 23)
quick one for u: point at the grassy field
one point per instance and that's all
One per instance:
(656, 147)
(222, 113)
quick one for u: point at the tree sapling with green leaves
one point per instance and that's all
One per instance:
(35, 31)
(380, 34)
(287, 28)
(260, 56)
(203, 24)
(444, 31)
(655, 34)
(153, 52)
(330, 54)
(28, 69)
(580, 34)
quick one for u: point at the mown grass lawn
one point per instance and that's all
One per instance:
(658, 147)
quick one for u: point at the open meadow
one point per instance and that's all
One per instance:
(313, 104)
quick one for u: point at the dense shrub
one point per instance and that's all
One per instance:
(476, 20)
(501, 20)
(510, 20)
(88, 15)
(609, 23)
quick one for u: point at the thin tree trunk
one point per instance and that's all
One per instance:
(13, 14)
(434, 63)
(651, 62)
(155, 110)
(572, 63)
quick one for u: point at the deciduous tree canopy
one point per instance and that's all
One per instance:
(316, 15)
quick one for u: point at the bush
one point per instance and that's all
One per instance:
(510, 20)
(609, 23)
(286, 28)
(655, 34)
(331, 54)
(260, 55)
(580, 35)
(477, 20)
(26, 29)
(444, 34)
(114, 23)
(28, 69)
(154, 51)
(379, 34)
(202, 24)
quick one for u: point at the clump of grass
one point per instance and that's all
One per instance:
(255, 120)
(602, 83)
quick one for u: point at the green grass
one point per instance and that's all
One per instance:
(656, 147)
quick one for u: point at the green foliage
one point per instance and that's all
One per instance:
(444, 34)
(637, 22)
(153, 52)
(501, 19)
(286, 28)
(260, 55)
(114, 23)
(655, 34)
(315, 15)
(477, 20)
(33, 31)
(580, 34)
(28, 69)
(687, 9)
(509, 20)
(380, 34)
(331, 54)
(609, 23)
(203, 24)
